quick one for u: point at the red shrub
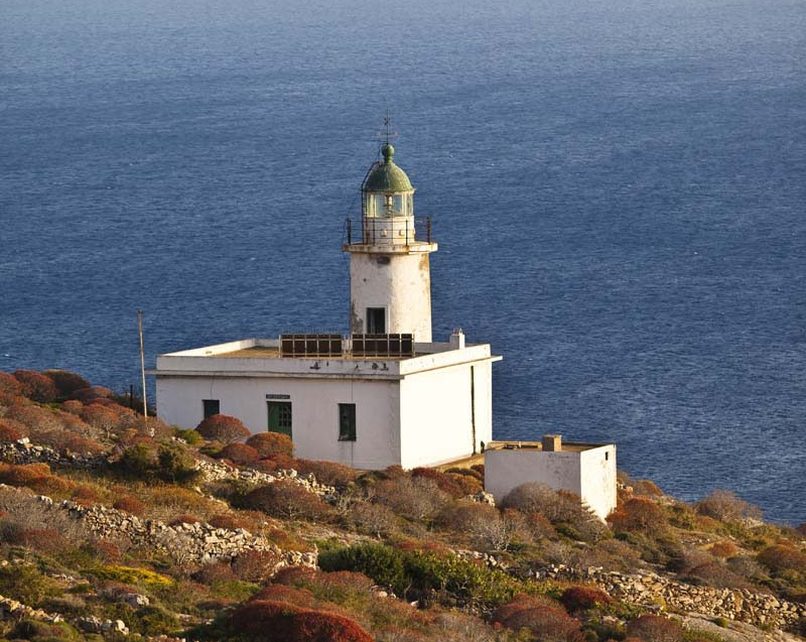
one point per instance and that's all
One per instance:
(91, 393)
(654, 628)
(239, 454)
(130, 504)
(36, 386)
(212, 573)
(68, 441)
(100, 417)
(9, 385)
(582, 598)
(184, 519)
(446, 483)
(287, 499)
(224, 520)
(24, 474)
(85, 495)
(278, 462)
(107, 551)
(255, 566)
(270, 444)
(548, 623)
(639, 514)
(223, 428)
(72, 406)
(67, 382)
(295, 575)
(35, 417)
(780, 558)
(327, 472)
(724, 549)
(42, 539)
(283, 622)
(11, 430)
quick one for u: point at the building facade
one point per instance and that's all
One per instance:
(385, 394)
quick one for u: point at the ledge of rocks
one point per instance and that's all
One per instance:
(661, 593)
(23, 451)
(198, 543)
(219, 471)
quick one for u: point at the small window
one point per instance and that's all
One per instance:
(607, 456)
(376, 320)
(346, 422)
(211, 407)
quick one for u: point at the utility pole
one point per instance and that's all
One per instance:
(143, 368)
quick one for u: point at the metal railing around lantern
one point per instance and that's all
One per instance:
(393, 231)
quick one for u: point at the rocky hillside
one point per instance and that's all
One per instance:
(120, 528)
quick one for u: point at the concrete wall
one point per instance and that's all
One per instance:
(505, 469)
(437, 415)
(590, 473)
(400, 283)
(315, 423)
(599, 479)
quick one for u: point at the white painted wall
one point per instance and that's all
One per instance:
(315, 422)
(599, 488)
(398, 282)
(587, 473)
(436, 414)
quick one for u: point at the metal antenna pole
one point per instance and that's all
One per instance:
(143, 365)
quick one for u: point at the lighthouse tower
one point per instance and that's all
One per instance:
(390, 280)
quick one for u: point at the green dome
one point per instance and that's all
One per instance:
(386, 176)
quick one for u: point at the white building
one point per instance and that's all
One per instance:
(386, 394)
(587, 470)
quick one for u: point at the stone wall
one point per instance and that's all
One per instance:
(661, 593)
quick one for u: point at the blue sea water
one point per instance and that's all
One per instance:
(617, 189)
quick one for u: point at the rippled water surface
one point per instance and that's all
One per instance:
(617, 188)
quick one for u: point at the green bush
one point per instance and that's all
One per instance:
(189, 436)
(167, 462)
(425, 575)
(26, 583)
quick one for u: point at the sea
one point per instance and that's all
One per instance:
(617, 188)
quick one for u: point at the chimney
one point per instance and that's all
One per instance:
(552, 443)
(457, 339)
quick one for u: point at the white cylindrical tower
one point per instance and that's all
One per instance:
(390, 279)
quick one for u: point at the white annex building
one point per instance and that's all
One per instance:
(385, 394)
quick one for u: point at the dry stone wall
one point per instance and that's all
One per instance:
(661, 593)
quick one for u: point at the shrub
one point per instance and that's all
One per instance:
(546, 622)
(287, 593)
(223, 428)
(130, 504)
(326, 472)
(133, 575)
(639, 515)
(724, 549)
(654, 628)
(35, 418)
(255, 566)
(25, 583)
(278, 462)
(270, 444)
(225, 520)
(11, 430)
(415, 498)
(36, 386)
(100, 417)
(91, 393)
(72, 406)
(288, 500)
(85, 495)
(724, 505)
(781, 558)
(189, 436)
(373, 519)
(216, 572)
(424, 575)
(450, 484)
(9, 385)
(488, 528)
(283, 622)
(168, 462)
(240, 454)
(184, 518)
(563, 510)
(582, 598)
(67, 382)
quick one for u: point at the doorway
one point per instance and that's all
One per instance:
(279, 416)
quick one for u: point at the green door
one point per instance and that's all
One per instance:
(280, 416)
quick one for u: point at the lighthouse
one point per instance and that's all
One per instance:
(390, 279)
(385, 394)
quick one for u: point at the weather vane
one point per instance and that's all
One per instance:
(388, 134)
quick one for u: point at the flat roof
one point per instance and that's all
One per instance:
(567, 446)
